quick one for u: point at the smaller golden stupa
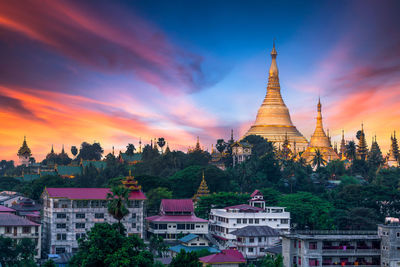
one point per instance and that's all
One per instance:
(319, 141)
(130, 183)
(202, 190)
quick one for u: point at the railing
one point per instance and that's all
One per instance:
(350, 251)
(334, 232)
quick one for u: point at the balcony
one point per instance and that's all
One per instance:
(365, 264)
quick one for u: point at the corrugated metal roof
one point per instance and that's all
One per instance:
(177, 205)
(175, 218)
(253, 230)
(225, 256)
(9, 219)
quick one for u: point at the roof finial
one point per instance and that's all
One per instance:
(273, 52)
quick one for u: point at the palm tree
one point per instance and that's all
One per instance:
(117, 202)
(351, 150)
(161, 143)
(74, 150)
(318, 159)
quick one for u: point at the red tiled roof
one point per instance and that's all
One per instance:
(244, 207)
(225, 256)
(256, 192)
(5, 209)
(88, 193)
(177, 205)
(175, 218)
(9, 219)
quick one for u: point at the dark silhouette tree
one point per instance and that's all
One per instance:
(74, 151)
(351, 150)
(117, 203)
(221, 145)
(161, 143)
(130, 150)
(318, 159)
(90, 151)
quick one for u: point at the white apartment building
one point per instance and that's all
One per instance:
(16, 228)
(222, 222)
(68, 213)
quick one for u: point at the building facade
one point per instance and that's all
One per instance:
(390, 244)
(176, 219)
(241, 151)
(331, 248)
(224, 221)
(253, 241)
(68, 213)
(16, 228)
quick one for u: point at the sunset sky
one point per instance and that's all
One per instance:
(117, 71)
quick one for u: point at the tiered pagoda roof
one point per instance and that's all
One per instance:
(24, 150)
(130, 183)
(202, 190)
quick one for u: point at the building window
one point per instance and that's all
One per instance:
(250, 221)
(162, 226)
(99, 215)
(8, 230)
(61, 215)
(60, 250)
(294, 260)
(312, 245)
(26, 229)
(133, 215)
(256, 221)
(260, 239)
(299, 244)
(80, 235)
(251, 250)
(61, 236)
(313, 262)
(284, 221)
(239, 221)
(398, 234)
(80, 215)
(180, 226)
(133, 225)
(245, 221)
(61, 225)
(251, 240)
(79, 225)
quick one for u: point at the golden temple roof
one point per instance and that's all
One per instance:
(130, 183)
(24, 150)
(202, 190)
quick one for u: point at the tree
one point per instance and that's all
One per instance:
(154, 197)
(106, 245)
(26, 249)
(130, 150)
(260, 145)
(221, 145)
(187, 259)
(90, 151)
(49, 263)
(375, 158)
(8, 253)
(318, 159)
(270, 261)
(308, 210)
(157, 245)
(351, 150)
(161, 143)
(74, 150)
(20, 254)
(117, 205)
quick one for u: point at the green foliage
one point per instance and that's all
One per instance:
(356, 219)
(157, 246)
(270, 261)
(318, 159)
(185, 183)
(219, 200)
(130, 150)
(36, 187)
(106, 246)
(20, 254)
(308, 210)
(149, 182)
(49, 263)
(260, 145)
(271, 196)
(348, 180)
(185, 259)
(154, 197)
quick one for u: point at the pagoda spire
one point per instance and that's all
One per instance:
(342, 147)
(130, 183)
(52, 149)
(24, 150)
(197, 148)
(362, 147)
(202, 190)
(319, 138)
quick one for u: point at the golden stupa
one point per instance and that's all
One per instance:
(202, 190)
(319, 141)
(273, 119)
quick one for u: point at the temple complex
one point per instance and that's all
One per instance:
(273, 119)
(319, 141)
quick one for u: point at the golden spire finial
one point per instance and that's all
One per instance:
(130, 172)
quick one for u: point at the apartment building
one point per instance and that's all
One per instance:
(390, 243)
(331, 248)
(68, 213)
(223, 222)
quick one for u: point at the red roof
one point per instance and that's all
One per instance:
(175, 218)
(244, 207)
(177, 205)
(88, 193)
(9, 219)
(225, 256)
(256, 192)
(5, 209)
